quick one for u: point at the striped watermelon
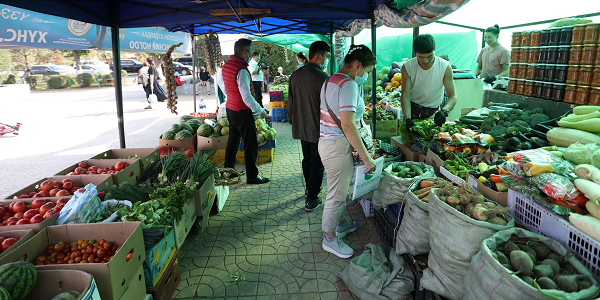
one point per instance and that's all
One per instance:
(169, 135)
(195, 123)
(176, 128)
(4, 295)
(186, 118)
(18, 279)
(70, 295)
(186, 126)
(183, 134)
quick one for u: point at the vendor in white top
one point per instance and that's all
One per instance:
(424, 79)
(493, 60)
(257, 77)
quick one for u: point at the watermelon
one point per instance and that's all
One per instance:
(183, 134)
(225, 131)
(4, 295)
(176, 128)
(259, 122)
(223, 121)
(186, 118)
(217, 129)
(268, 135)
(70, 295)
(204, 130)
(169, 135)
(260, 138)
(195, 123)
(214, 136)
(186, 126)
(18, 279)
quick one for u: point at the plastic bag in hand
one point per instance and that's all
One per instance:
(84, 207)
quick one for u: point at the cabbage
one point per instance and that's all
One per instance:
(581, 153)
(595, 159)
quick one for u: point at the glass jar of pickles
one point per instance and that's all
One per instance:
(531, 72)
(562, 56)
(543, 55)
(538, 86)
(575, 55)
(522, 71)
(552, 55)
(549, 73)
(583, 95)
(560, 74)
(585, 75)
(540, 72)
(513, 70)
(595, 96)
(592, 30)
(534, 54)
(547, 91)
(554, 38)
(596, 76)
(520, 87)
(516, 39)
(558, 92)
(565, 35)
(512, 86)
(525, 38)
(524, 55)
(588, 54)
(529, 85)
(545, 37)
(578, 34)
(572, 74)
(535, 38)
(515, 55)
(570, 93)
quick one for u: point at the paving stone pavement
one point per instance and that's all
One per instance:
(264, 232)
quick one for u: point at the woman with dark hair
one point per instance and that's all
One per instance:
(301, 57)
(493, 60)
(342, 95)
(153, 87)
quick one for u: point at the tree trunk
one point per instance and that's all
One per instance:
(27, 70)
(77, 59)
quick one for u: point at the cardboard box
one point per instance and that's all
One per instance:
(168, 283)
(409, 155)
(147, 156)
(158, 258)
(203, 195)
(206, 212)
(205, 143)
(264, 156)
(182, 228)
(35, 227)
(435, 161)
(501, 198)
(50, 283)
(136, 290)
(457, 180)
(189, 143)
(102, 182)
(263, 145)
(113, 277)
(387, 128)
(21, 234)
(222, 192)
(131, 174)
(217, 156)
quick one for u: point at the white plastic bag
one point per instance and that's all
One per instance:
(153, 99)
(113, 217)
(222, 112)
(84, 207)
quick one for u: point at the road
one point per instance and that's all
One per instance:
(63, 127)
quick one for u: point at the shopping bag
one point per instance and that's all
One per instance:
(84, 207)
(153, 99)
(365, 183)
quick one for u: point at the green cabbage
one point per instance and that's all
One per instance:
(595, 159)
(581, 153)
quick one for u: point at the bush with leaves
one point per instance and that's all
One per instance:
(58, 81)
(10, 79)
(85, 79)
(34, 80)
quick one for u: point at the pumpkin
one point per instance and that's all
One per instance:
(397, 77)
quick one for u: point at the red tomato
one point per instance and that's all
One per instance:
(10, 206)
(62, 193)
(37, 203)
(62, 201)
(57, 184)
(23, 221)
(101, 195)
(11, 223)
(128, 257)
(53, 192)
(19, 216)
(51, 213)
(7, 243)
(82, 165)
(45, 193)
(40, 259)
(99, 171)
(2, 239)
(102, 252)
(67, 185)
(60, 247)
(47, 185)
(30, 194)
(24, 196)
(37, 195)
(2, 211)
(30, 213)
(46, 207)
(119, 166)
(36, 219)
(19, 206)
(12, 219)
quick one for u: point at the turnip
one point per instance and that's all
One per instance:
(546, 283)
(589, 189)
(527, 279)
(543, 271)
(482, 213)
(521, 262)
(587, 224)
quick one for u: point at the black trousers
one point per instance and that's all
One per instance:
(241, 124)
(312, 168)
(258, 92)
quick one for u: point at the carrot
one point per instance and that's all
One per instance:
(587, 224)
(425, 190)
(426, 183)
(593, 208)
(422, 195)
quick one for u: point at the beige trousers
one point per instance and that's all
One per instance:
(336, 155)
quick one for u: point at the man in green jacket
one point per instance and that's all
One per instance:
(303, 110)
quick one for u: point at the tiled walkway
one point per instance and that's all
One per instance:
(265, 233)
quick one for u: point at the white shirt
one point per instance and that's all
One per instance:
(427, 86)
(220, 83)
(252, 67)
(243, 81)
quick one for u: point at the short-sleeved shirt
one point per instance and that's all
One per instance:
(204, 76)
(252, 66)
(491, 62)
(342, 94)
(427, 86)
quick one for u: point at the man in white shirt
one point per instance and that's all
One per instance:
(257, 77)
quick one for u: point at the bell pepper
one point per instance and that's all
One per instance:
(501, 187)
(482, 179)
(483, 167)
(496, 178)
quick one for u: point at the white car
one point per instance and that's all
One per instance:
(96, 63)
(93, 69)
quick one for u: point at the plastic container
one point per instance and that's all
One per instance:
(547, 91)
(520, 87)
(585, 75)
(570, 93)
(558, 92)
(516, 40)
(578, 34)
(529, 86)
(572, 74)
(279, 115)
(531, 71)
(596, 77)
(563, 54)
(525, 38)
(588, 54)
(549, 73)
(543, 55)
(545, 37)
(538, 87)
(595, 96)
(592, 31)
(560, 74)
(539, 74)
(512, 86)
(534, 54)
(513, 70)
(535, 38)
(521, 71)
(552, 55)
(565, 35)
(583, 95)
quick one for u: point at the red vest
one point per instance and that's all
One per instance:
(230, 71)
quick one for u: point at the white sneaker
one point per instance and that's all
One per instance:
(343, 229)
(337, 247)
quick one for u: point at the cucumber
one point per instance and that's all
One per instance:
(509, 105)
(417, 170)
(471, 120)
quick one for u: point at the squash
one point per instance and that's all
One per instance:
(585, 109)
(564, 137)
(587, 224)
(590, 125)
(577, 118)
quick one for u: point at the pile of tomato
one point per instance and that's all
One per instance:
(83, 169)
(19, 213)
(79, 252)
(52, 188)
(202, 114)
(6, 242)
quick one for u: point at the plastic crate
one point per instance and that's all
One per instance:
(388, 221)
(389, 148)
(367, 207)
(417, 265)
(541, 220)
(275, 96)
(279, 115)
(276, 104)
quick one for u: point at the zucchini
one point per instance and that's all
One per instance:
(585, 109)
(542, 128)
(514, 141)
(510, 149)
(564, 137)
(403, 173)
(538, 142)
(525, 146)
(471, 120)
(589, 125)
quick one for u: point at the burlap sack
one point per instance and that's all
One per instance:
(487, 279)
(393, 189)
(413, 235)
(454, 239)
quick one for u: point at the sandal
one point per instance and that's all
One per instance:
(148, 107)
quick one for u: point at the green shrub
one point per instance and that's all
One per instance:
(58, 81)
(84, 79)
(123, 74)
(35, 80)
(10, 80)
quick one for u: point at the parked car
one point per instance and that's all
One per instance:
(97, 63)
(186, 60)
(93, 69)
(129, 65)
(51, 70)
(182, 69)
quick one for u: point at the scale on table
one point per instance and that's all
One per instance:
(500, 84)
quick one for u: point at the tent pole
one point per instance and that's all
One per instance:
(116, 52)
(373, 73)
(194, 68)
(482, 39)
(415, 35)
(330, 67)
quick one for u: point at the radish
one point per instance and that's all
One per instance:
(593, 208)
(589, 172)
(589, 189)
(587, 224)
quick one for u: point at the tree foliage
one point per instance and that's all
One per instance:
(276, 56)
